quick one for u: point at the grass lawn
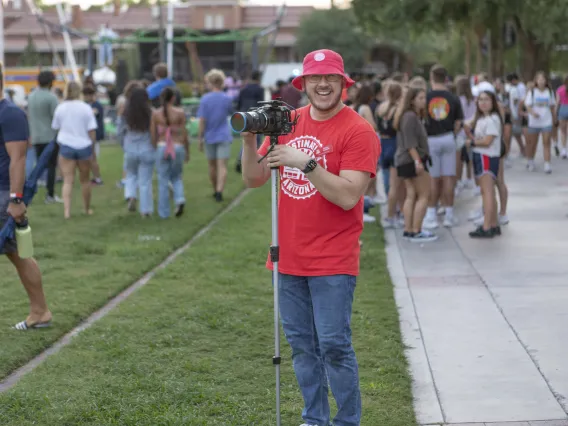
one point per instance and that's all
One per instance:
(194, 346)
(87, 260)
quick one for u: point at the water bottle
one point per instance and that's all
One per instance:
(24, 240)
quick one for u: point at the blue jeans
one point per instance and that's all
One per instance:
(105, 54)
(316, 318)
(139, 161)
(170, 171)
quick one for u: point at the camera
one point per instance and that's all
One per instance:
(272, 118)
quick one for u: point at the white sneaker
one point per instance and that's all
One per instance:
(450, 221)
(469, 184)
(377, 199)
(563, 154)
(441, 210)
(477, 190)
(430, 223)
(531, 167)
(475, 214)
(367, 218)
(503, 219)
(547, 168)
(423, 237)
(479, 221)
(390, 223)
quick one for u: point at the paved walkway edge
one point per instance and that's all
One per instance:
(11, 380)
(426, 402)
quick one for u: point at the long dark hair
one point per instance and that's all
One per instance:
(494, 108)
(166, 97)
(394, 94)
(137, 112)
(463, 88)
(406, 105)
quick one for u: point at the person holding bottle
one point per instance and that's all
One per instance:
(14, 136)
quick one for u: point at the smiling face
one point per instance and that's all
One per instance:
(324, 91)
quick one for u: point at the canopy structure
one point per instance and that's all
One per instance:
(187, 36)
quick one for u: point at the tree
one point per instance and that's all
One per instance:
(335, 29)
(540, 24)
(30, 56)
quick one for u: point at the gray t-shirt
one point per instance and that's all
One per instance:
(411, 134)
(41, 110)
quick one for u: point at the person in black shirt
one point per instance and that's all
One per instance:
(249, 97)
(444, 117)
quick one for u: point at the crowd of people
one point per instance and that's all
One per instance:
(445, 135)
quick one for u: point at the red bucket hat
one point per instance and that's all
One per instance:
(322, 62)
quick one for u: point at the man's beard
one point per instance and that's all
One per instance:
(335, 99)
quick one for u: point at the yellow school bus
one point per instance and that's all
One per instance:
(26, 77)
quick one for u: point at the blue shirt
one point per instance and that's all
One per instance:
(154, 90)
(215, 108)
(13, 128)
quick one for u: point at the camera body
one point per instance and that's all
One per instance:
(272, 118)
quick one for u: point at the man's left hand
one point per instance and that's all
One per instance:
(17, 211)
(284, 155)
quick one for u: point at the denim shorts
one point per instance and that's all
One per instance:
(484, 164)
(221, 151)
(563, 112)
(75, 154)
(388, 149)
(533, 130)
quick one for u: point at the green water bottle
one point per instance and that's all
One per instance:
(24, 240)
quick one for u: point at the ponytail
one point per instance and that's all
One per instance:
(166, 97)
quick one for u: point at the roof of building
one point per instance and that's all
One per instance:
(18, 21)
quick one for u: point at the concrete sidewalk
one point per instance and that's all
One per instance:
(486, 321)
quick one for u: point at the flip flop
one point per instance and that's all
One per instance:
(23, 326)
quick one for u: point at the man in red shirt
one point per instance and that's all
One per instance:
(325, 167)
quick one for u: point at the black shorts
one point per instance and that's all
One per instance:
(508, 119)
(408, 171)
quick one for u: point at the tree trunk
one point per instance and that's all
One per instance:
(535, 55)
(467, 64)
(497, 53)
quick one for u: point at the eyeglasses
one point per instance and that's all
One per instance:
(330, 78)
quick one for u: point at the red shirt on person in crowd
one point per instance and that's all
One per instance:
(317, 237)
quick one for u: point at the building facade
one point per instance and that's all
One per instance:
(207, 16)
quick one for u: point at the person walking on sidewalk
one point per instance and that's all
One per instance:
(14, 135)
(41, 110)
(326, 165)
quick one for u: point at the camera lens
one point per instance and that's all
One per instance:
(239, 122)
(253, 122)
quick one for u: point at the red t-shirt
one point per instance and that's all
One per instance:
(317, 237)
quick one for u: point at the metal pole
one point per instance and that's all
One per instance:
(254, 53)
(68, 46)
(2, 32)
(161, 30)
(90, 61)
(169, 37)
(275, 257)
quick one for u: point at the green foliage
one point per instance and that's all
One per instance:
(335, 29)
(30, 57)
